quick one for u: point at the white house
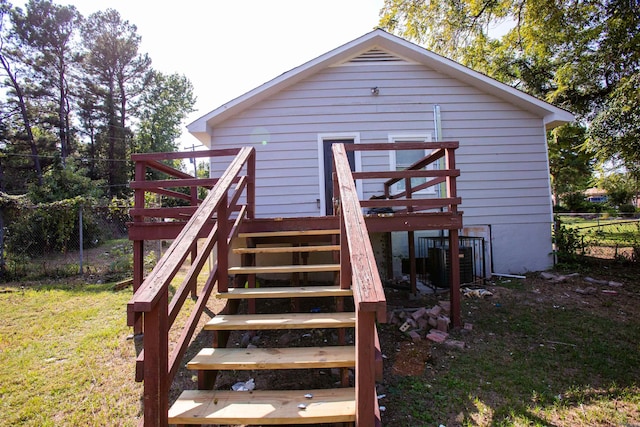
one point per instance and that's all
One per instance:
(381, 88)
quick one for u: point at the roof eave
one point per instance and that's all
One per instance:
(553, 116)
(288, 78)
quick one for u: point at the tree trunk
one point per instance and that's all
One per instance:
(25, 118)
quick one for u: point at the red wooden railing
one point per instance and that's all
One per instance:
(358, 271)
(413, 212)
(217, 220)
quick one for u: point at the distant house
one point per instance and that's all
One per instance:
(379, 89)
(596, 195)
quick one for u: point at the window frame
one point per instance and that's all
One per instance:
(408, 137)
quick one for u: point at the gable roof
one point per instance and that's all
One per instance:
(382, 46)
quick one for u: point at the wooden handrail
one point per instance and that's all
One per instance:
(146, 296)
(151, 299)
(358, 266)
(175, 155)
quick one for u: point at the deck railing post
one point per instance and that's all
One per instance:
(251, 186)
(454, 243)
(365, 368)
(223, 249)
(345, 259)
(156, 352)
(138, 245)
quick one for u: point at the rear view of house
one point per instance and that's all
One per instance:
(368, 146)
(380, 89)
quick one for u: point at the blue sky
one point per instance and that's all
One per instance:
(227, 48)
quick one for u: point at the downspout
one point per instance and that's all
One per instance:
(437, 130)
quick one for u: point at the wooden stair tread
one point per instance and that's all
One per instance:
(285, 292)
(264, 407)
(281, 321)
(311, 268)
(287, 249)
(287, 233)
(274, 358)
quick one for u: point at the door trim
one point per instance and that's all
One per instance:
(347, 136)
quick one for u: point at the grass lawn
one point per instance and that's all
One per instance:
(539, 354)
(65, 359)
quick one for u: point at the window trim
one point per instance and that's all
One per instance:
(408, 137)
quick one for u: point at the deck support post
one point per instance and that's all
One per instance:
(454, 243)
(138, 277)
(365, 368)
(194, 256)
(412, 262)
(156, 373)
(223, 245)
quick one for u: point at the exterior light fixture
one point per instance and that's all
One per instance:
(375, 90)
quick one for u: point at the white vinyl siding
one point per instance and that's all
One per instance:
(502, 156)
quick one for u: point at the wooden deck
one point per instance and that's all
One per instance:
(220, 222)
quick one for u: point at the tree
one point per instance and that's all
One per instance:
(162, 107)
(9, 55)
(572, 53)
(118, 74)
(570, 166)
(621, 188)
(615, 131)
(46, 32)
(579, 55)
(62, 183)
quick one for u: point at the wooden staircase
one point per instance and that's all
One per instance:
(275, 407)
(209, 227)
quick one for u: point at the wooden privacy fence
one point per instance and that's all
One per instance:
(217, 218)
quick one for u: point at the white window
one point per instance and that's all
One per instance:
(402, 159)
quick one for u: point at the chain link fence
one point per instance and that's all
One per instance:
(63, 240)
(599, 237)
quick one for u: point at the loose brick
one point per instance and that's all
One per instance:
(419, 313)
(405, 327)
(392, 318)
(415, 336)
(437, 336)
(445, 305)
(468, 326)
(423, 323)
(443, 323)
(434, 311)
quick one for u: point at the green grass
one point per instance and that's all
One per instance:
(605, 232)
(528, 363)
(534, 358)
(62, 353)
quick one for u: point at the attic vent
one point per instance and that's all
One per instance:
(376, 55)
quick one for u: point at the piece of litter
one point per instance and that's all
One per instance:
(477, 293)
(244, 386)
(302, 406)
(382, 396)
(308, 396)
(383, 408)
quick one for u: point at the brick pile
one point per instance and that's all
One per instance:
(426, 323)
